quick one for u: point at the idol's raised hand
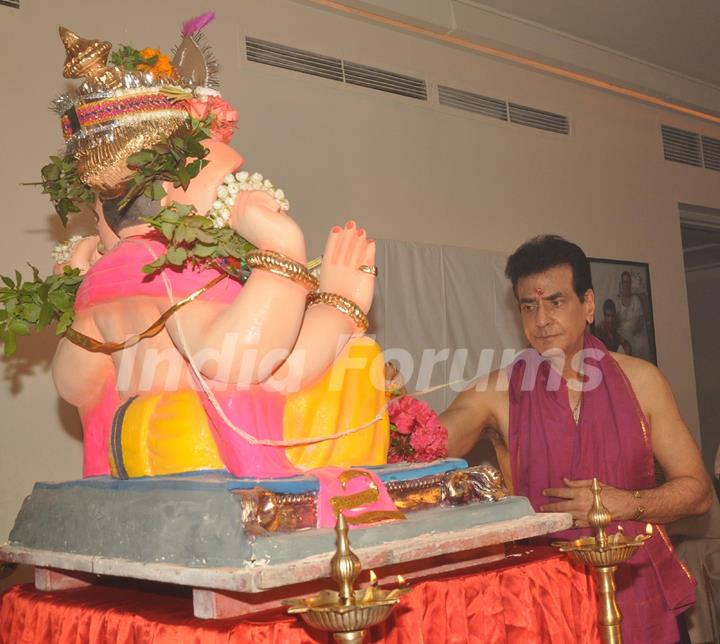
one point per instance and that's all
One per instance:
(348, 267)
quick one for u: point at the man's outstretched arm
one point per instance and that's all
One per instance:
(471, 413)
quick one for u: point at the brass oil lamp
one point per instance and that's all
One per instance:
(347, 613)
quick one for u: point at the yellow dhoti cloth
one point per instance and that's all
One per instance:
(350, 394)
(159, 434)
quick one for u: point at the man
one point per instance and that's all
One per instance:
(569, 410)
(607, 332)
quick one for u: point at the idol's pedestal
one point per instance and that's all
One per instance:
(233, 545)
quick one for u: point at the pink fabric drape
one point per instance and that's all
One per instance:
(119, 274)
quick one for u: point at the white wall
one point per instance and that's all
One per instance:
(404, 169)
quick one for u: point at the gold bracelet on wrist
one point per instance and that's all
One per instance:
(640, 508)
(279, 264)
(342, 304)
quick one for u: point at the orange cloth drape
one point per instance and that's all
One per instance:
(534, 597)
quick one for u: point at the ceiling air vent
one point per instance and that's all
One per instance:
(15, 4)
(462, 100)
(681, 146)
(711, 152)
(540, 119)
(297, 60)
(356, 74)
(307, 62)
(502, 110)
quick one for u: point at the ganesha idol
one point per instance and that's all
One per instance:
(189, 369)
(233, 407)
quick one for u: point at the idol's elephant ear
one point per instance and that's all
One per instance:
(193, 60)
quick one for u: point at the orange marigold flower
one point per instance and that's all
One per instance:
(149, 52)
(163, 66)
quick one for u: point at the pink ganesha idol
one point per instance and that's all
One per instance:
(183, 355)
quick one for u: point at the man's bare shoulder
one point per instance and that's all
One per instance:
(637, 370)
(646, 379)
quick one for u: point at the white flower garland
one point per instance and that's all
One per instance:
(235, 183)
(63, 251)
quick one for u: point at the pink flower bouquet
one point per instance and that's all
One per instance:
(416, 435)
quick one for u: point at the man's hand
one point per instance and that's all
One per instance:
(578, 500)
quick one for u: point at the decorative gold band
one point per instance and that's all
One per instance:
(279, 264)
(264, 510)
(342, 304)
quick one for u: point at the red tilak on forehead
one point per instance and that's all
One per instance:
(539, 291)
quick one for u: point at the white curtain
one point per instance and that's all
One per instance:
(448, 302)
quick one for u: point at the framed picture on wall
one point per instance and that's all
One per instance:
(623, 307)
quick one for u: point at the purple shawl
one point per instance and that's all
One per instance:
(612, 441)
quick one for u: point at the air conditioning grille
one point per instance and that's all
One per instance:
(681, 146)
(539, 119)
(470, 102)
(298, 60)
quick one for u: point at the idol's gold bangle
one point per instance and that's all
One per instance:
(279, 264)
(342, 304)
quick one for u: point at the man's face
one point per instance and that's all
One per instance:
(552, 315)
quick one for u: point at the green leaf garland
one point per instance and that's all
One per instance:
(194, 238)
(61, 181)
(27, 306)
(178, 161)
